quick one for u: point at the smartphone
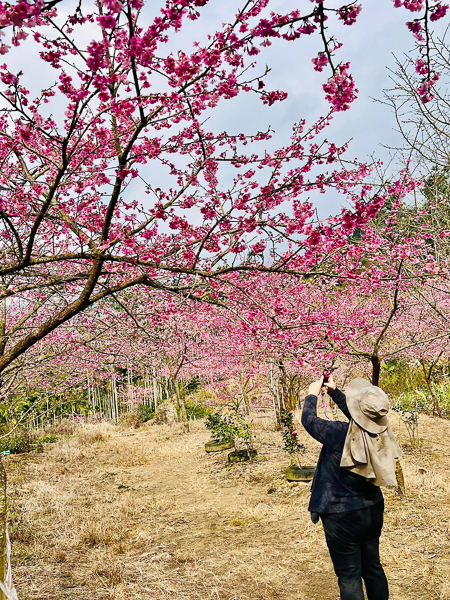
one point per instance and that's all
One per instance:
(326, 375)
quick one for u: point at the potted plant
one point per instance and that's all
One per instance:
(243, 433)
(292, 445)
(222, 438)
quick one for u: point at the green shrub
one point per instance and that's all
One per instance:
(218, 427)
(398, 377)
(48, 439)
(230, 428)
(18, 443)
(421, 401)
(146, 413)
(413, 401)
(244, 431)
(193, 385)
(196, 409)
(442, 391)
(292, 444)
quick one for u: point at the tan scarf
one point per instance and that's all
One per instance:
(371, 455)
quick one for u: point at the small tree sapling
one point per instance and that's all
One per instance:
(219, 428)
(230, 428)
(292, 444)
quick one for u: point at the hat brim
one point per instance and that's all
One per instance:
(351, 393)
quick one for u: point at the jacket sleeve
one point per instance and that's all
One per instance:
(339, 398)
(328, 433)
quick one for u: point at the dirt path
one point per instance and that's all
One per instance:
(152, 516)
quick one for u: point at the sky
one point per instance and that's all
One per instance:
(369, 46)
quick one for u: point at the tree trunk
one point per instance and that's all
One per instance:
(181, 406)
(244, 394)
(376, 369)
(276, 401)
(427, 375)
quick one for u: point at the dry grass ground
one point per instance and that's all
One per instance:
(151, 516)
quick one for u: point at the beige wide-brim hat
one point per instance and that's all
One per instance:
(368, 405)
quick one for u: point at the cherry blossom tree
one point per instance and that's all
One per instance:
(80, 215)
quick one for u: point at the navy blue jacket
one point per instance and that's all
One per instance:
(335, 489)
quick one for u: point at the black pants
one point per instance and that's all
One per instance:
(353, 539)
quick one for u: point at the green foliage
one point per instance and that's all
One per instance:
(406, 383)
(18, 443)
(219, 428)
(193, 385)
(146, 413)
(48, 439)
(413, 401)
(421, 401)
(243, 430)
(356, 236)
(230, 428)
(195, 409)
(442, 391)
(398, 377)
(437, 184)
(291, 442)
(40, 407)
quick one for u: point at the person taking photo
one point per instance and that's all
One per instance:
(356, 459)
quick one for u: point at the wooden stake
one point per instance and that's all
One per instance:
(400, 479)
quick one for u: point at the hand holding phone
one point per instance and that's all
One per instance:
(328, 381)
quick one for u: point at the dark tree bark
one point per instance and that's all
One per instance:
(427, 372)
(376, 369)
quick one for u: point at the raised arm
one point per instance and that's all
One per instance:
(339, 398)
(329, 433)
